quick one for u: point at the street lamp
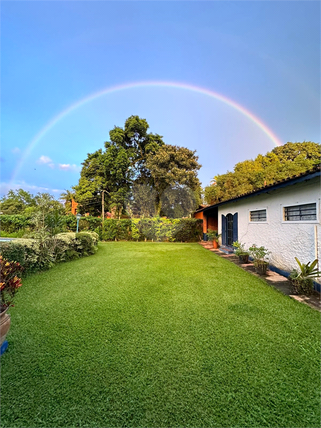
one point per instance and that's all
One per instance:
(78, 217)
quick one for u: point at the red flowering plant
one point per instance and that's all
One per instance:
(10, 281)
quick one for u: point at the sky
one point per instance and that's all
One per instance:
(227, 79)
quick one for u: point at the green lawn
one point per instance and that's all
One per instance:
(158, 335)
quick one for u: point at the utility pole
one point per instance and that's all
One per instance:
(102, 205)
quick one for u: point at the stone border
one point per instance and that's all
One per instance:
(272, 278)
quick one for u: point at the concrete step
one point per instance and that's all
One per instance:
(226, 250)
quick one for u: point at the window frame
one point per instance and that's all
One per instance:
(258, 221)
(315, 221)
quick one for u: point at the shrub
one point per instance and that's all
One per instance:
(259, 254)
(109, 230)
(240, 249)
(84, 244)
(303, 279)
(10, 281)
(40, 254)
(188, 229)
(14, 223)
(54, 222)
(26, 252)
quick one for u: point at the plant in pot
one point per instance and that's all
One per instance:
(241, 252)
(302, 280)
(259, 255)
(10, 281)
(213, 235)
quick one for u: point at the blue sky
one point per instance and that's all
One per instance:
(263, 56)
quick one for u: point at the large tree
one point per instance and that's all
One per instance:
(112, 171)
(282, 162)
(172, 167)
(134, 165)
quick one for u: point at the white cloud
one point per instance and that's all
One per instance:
(45, 160)
(5, 187)
(16, 151)
(68, 167)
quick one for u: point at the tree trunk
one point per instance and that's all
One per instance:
(158, 205)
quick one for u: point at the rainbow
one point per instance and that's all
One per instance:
(126, 86)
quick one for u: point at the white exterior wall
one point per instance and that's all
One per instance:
(284, 239)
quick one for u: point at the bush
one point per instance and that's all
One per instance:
(40, 254)
(14, 223)
(10, 274)
(188, 229)
(32, 254)
(84, 244)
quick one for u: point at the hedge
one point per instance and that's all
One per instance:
(15, 223)
(40, 254)
(156, 229)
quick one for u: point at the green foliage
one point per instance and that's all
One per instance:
(139, 173)
(240, 249)
(14, 223)
(15, 202)
(10, 281)
(25, 251)
(84, 244)
(259, 254)
(213, 235)
(67, 197)
(54, 222)
(115, 169)
(302, 279)
(12, 252)
(281, 163)
(152, 229)
(40, 254)
(141, 202)
(172, 167)
(188, 230)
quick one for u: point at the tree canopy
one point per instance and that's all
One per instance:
(172, 167)
(134, 164)
(22, 202)
(281, 163)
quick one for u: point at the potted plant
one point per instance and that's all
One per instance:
(241, 252)
(10, 281)
(302, 280)
(259, 255)
(213, 235)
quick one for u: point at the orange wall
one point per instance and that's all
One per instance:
(199, 215)
(209, 222)
(212, 223)
(74, 205)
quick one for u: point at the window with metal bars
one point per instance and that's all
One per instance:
(258, 215)
(300, 212)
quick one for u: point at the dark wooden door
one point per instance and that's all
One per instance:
(229, 229)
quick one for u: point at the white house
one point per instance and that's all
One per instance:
(283, 217)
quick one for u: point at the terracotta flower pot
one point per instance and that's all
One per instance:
(215, 244)
(4, 325)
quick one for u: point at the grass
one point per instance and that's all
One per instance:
(158, 335)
